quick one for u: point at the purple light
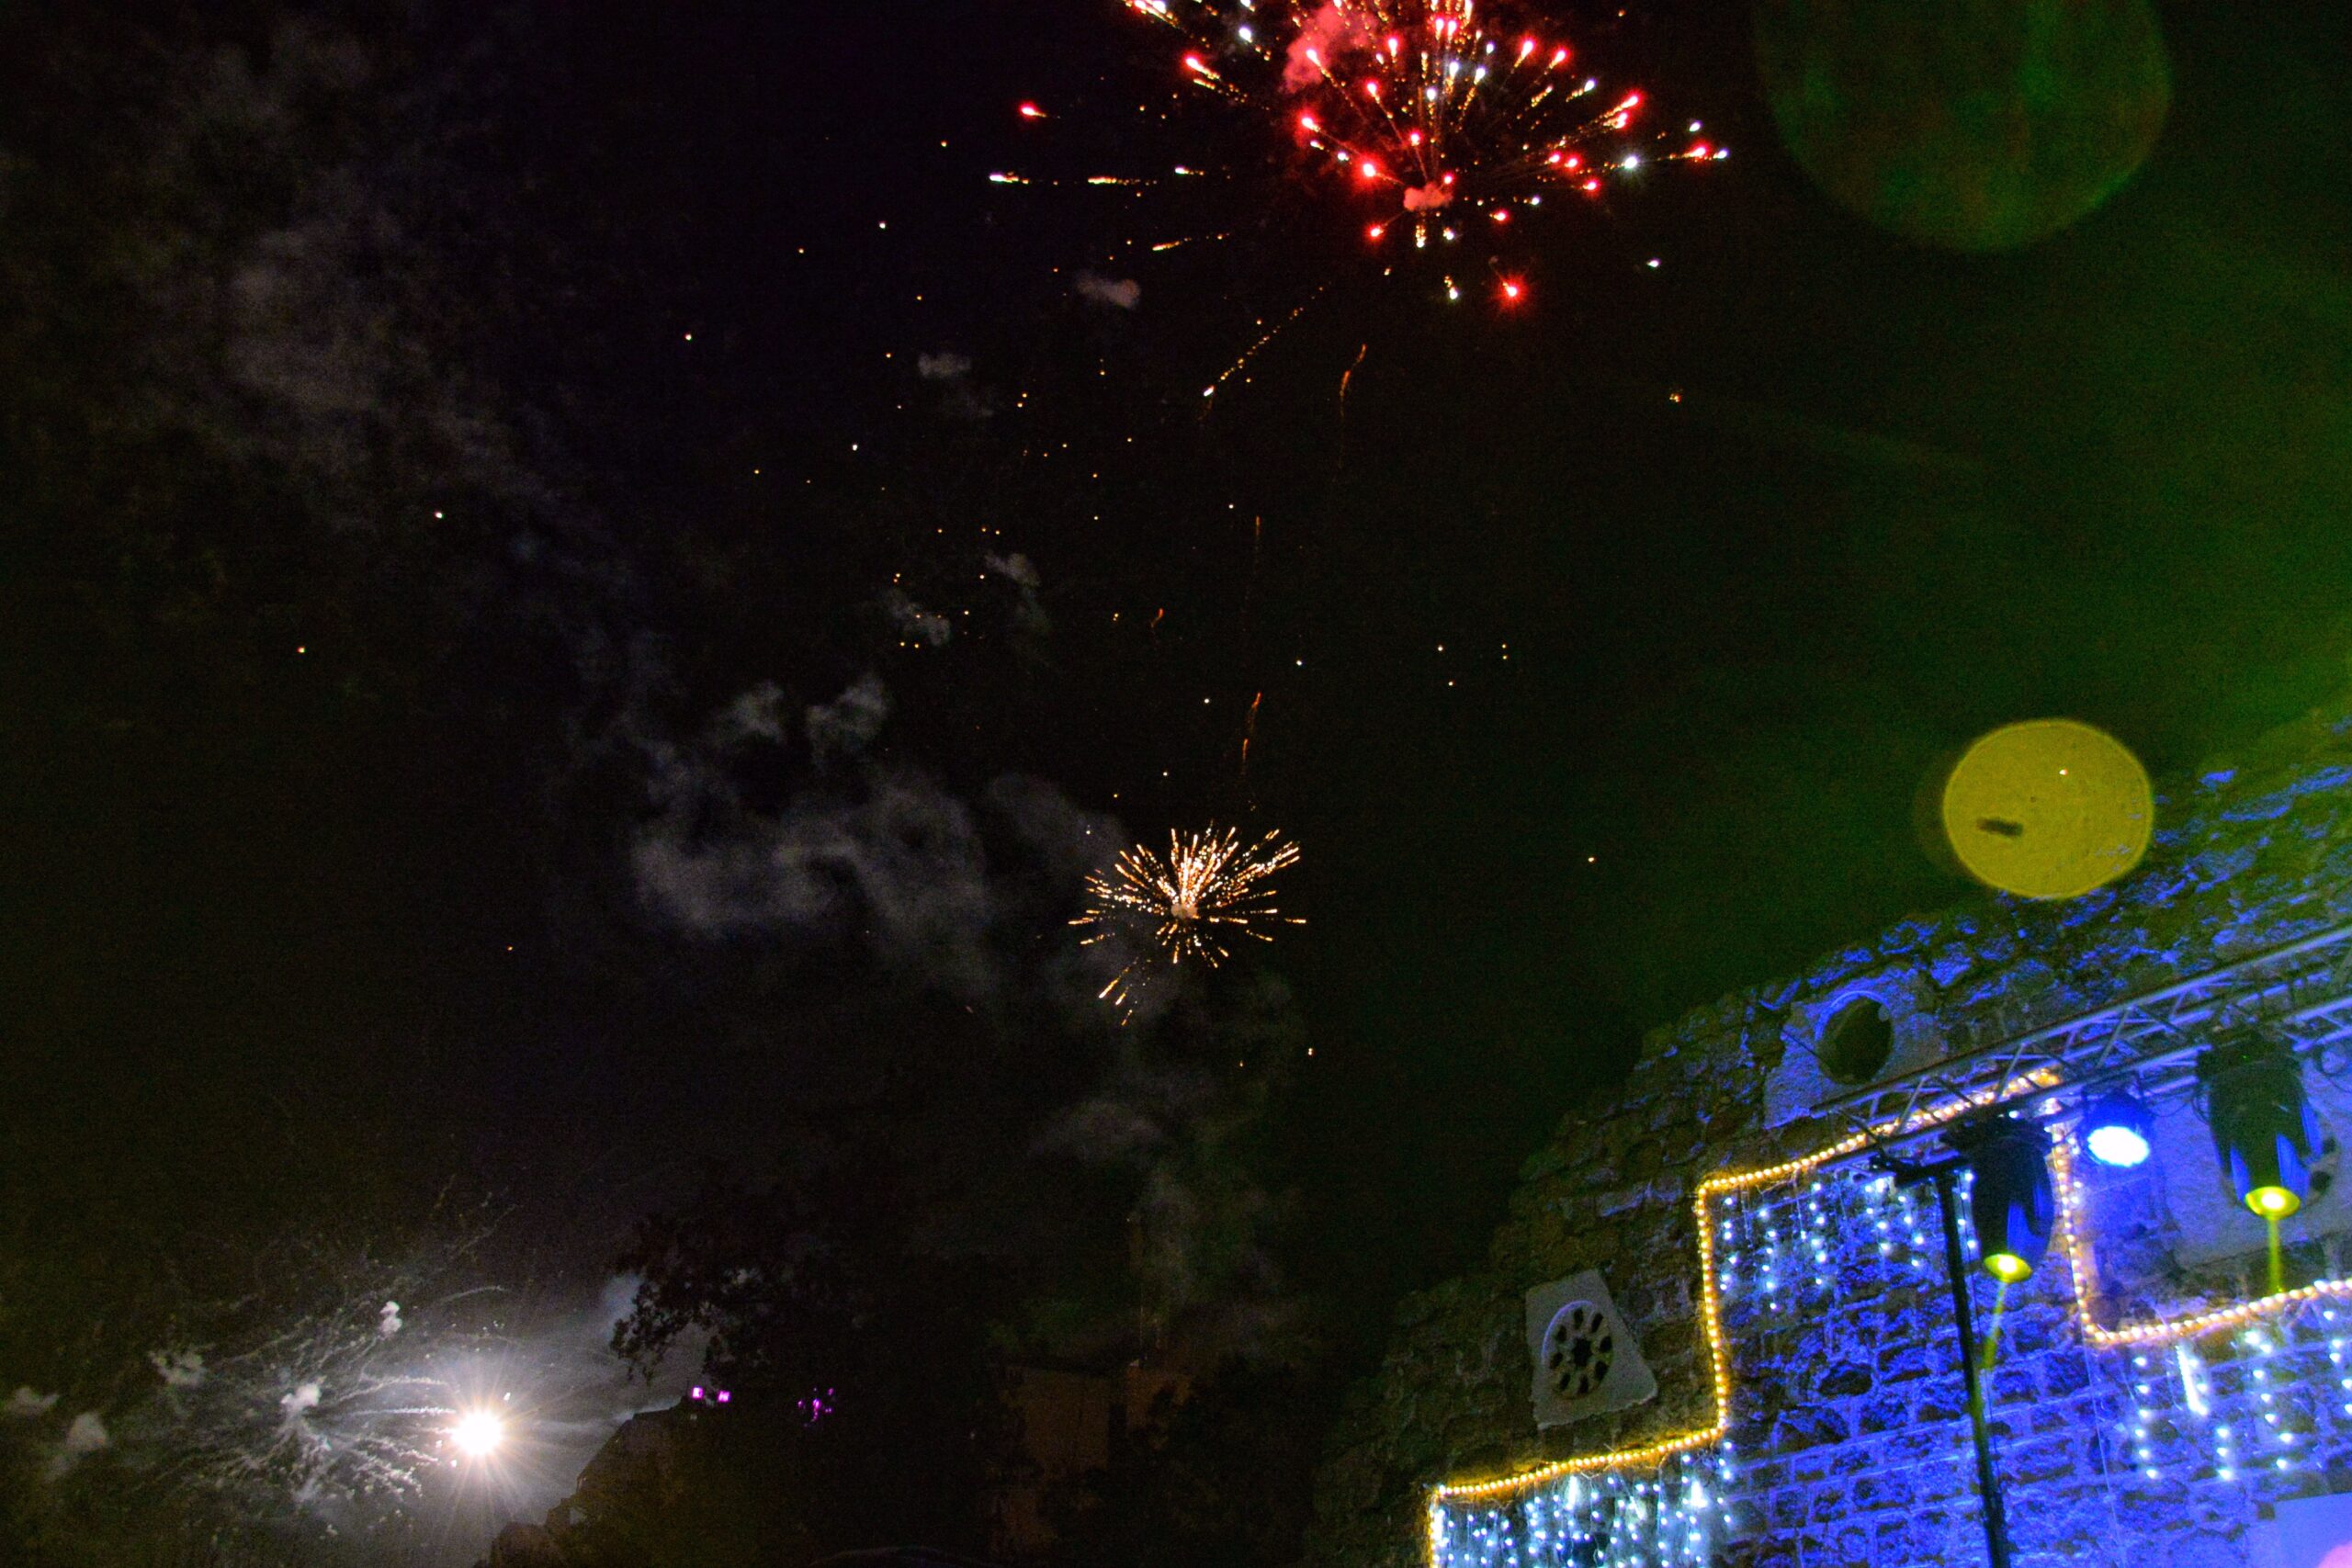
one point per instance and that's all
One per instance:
(698, 1393)
(724, 1396)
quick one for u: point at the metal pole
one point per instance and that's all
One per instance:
(1988, 1483)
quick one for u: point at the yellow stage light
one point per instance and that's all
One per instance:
(2273, 1202)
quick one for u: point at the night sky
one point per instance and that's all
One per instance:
(470, 466)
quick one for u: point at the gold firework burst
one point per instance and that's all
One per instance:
(1210, 888)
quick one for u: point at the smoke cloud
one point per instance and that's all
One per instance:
(953, 373)
(1029, 614)
(308, 338)
(967, 897)
(1015, 566)
(843, 727)
(757, 715)
(1324, 40)
(26, 1405)
(1202, 1239)
(914, 622)
(1118, 293)
(948, 890)
(84, 1436)
(903, 863)
(300, 1402)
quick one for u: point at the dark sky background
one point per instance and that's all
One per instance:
(431, 429)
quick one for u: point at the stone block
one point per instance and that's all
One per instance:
(2013, 1383)
(2065, 1374)
(1902, 1363)
(2041, 1460)
(1882, 1413)
(1884, 1489)
(1844, 1379)
(1808, 1427)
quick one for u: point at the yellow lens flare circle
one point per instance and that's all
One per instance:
(2273, 1202)
(2008, 1267)
(478, 1434)
(2049, 809)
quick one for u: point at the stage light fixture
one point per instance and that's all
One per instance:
(2011, 1202)
(2116, 1131)
(2262, 1123)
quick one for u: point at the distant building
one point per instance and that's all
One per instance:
(1075, 1418)
(1713, 1330)
(1071, 1422)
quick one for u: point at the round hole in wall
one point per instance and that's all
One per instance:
(1858, 1041)
(1580, 1349)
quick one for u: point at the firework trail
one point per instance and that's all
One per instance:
(1241, 361)
(1211, 887)
(335, 1386)
(334, 1402)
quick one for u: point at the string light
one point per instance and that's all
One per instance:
(1667, 1521)
(1724, 1184)
(1720, 1272)
(2074, 1238)
(2280, 1373)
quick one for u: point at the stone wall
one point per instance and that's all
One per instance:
(1850, 1442)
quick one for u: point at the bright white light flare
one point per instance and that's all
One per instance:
(478, 1433)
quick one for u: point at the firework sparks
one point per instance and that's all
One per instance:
(1429, 113)
(1209, 890)
(335, 1396)
(320, 1390)
(1435, 141)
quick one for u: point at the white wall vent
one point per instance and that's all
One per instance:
(1587, 1361)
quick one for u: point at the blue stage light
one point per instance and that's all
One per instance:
(2115, 1131)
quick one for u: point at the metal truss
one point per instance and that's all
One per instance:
(2300, 994)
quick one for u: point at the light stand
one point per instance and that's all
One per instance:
(1944, 1176)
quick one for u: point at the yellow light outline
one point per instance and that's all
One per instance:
(2165, 1331)
(2071, 1238)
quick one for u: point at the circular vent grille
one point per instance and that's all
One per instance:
(1578, 1350)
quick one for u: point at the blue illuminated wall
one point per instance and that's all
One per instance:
(1849, 1446)
(1851, 1442)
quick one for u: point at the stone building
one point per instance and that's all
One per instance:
(1713, 1330)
